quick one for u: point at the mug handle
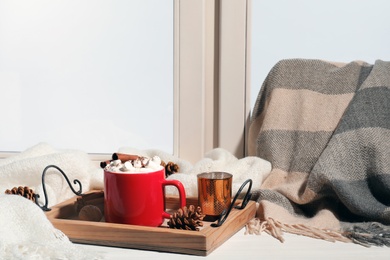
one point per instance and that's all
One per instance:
(182, 194)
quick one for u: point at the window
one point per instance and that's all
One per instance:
(206, 108)
(90, 75)
(355, 30)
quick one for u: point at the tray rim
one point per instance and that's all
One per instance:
(204, 241)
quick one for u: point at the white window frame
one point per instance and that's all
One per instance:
(212, 75)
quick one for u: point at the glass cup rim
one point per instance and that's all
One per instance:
(215, 175)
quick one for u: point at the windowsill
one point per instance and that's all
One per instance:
(261, 246)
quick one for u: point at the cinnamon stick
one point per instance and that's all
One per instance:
(124, 157)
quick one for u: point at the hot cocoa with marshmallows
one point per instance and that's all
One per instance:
(134, 191)
(135, 164)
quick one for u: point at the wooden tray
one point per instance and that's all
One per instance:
(65, 218)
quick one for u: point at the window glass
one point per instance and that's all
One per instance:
(92, 75)
(333, 30)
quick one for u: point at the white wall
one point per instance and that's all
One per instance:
(93, 75)
(337, 30)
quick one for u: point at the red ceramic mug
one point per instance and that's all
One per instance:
(138, 198)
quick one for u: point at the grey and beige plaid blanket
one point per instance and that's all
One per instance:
(325, 128)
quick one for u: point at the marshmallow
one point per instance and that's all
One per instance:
(142, 164)
(127, 166)
(116, 162)
(153, 165)
(156, 160)
(137, 163)
(144, 161)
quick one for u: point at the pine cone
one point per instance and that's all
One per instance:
(170, 168)
(187, 218)
(25, 192)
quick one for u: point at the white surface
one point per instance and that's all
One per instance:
(263, 246)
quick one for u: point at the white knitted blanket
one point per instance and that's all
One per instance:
(26, 233)
(218, 159)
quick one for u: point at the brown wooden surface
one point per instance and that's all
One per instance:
(64, 217)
